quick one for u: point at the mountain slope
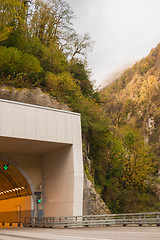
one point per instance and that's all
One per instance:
(133, 104)
(135, 97)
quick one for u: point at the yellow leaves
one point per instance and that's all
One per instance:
(13, 13)
(64, 87)
(148, 88)
(137, 162)
(136, 170)
(5, 33)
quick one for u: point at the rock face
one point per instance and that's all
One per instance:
(31, 96)
(92, 203)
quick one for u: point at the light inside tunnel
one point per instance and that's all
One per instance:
(15, 194)
(12, 190)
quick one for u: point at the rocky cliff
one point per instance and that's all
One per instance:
(31, 96)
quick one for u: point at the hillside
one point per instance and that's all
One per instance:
(133, 104)
(134, 98)
(120, 128)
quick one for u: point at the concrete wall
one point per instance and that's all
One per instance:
(46, 144)
(61, 184)
(26, 121)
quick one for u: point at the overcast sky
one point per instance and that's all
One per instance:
(124, 31)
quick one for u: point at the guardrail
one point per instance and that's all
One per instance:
(152, 218)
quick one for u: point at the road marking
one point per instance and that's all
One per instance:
(46, 236)
(13, 236)
(4, 237)
(82, 237)
(136, 232)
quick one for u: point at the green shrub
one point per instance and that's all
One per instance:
(13, 61)
(63, 87)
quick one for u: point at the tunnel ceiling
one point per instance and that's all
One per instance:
(12, 183)
(29, 147)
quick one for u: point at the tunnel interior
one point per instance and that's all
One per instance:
(15, 194)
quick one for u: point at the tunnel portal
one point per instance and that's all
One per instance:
(40, 153)
(15, 194)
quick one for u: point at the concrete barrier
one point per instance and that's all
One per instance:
(10, 225)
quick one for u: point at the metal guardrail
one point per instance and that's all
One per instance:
(152, 218)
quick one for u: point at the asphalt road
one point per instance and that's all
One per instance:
(108, 233)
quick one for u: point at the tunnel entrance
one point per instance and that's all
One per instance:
(15, 194)
(44, 149)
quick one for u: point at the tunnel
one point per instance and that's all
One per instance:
(40, 154)
(27, 169)
(15, 194)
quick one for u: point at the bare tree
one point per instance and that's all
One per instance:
(51, 22)
(80, 45)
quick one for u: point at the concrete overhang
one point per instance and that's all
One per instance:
(20, 121)
(28, 147)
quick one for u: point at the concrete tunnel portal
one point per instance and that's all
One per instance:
(42, 150)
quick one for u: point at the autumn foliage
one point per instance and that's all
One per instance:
(40, 48)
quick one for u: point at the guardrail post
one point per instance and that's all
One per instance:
(107, 224)
(86, 225)
(52, 223)
(158, 220)
(124, 224)
(140, 224)
(66, 223)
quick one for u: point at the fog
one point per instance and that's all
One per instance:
(124, 31)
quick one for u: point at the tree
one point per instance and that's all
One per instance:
(80, 45)
(51, 21)
(138, 161)
(79, 72)
(13, 22)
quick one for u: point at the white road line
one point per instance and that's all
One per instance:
(7, 238)
(81, 237)
(136, 232)
(48, 236)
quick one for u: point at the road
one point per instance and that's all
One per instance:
(108, 233)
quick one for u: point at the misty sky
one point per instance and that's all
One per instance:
(124, 31)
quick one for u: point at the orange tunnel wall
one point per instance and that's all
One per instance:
(15, 209)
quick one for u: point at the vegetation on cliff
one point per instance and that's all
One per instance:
(132, 102)
(39, 48)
